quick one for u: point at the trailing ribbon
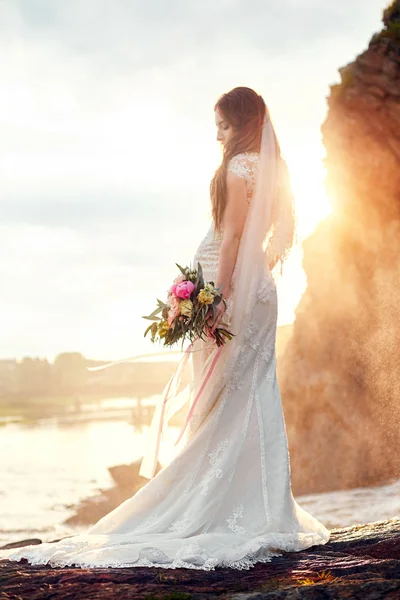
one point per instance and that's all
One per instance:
(149, 462)
(189, 415)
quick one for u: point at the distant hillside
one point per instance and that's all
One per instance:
(35, 386)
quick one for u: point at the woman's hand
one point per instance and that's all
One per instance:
(220, 310)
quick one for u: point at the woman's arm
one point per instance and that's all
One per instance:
(233, 221)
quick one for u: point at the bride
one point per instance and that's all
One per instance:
(225, 498)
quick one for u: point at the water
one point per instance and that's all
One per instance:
(48, 467)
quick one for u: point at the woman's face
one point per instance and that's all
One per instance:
(224, 129)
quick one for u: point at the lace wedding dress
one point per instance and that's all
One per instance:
(225, 499)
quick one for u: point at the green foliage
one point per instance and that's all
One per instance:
(183, 326)
(392, 31)
(391, 14)
(199, 281)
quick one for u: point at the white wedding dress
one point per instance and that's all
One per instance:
(225, 499)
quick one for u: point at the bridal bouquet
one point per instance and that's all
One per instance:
(190, 302)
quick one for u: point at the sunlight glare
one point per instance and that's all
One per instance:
(307, 175)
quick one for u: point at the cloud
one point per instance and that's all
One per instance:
(106, 144)
(142, 34)
(90, 210)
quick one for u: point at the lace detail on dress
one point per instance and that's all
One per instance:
(235, 382)
(245, 165)
(250, 336)
(232, 520)
(252, 342)
(207, 445)
(151, 520)
(180, 524)
(267, 353)
(189, 556)
(267, 294)
(215, 458)
(265, 291)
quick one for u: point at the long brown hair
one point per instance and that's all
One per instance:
(244, 110)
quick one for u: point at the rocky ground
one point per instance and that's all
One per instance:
(358, 562)
(127, 482)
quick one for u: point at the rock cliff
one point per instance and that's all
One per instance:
(340, 374)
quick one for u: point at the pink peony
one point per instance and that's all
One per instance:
(184, 289)
(177, 280)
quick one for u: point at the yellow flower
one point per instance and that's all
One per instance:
(186, 307)
(162, 328)
(205, 297)
(210, 288)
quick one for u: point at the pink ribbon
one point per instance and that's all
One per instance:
(150, 472)
(165, 400)
(189, 415)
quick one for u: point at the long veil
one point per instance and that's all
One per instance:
(268, 234)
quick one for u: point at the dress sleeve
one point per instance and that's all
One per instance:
(244, 166)
(239, 166)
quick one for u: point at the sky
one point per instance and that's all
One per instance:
(107, 148)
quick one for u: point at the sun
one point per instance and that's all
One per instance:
(307, 175)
